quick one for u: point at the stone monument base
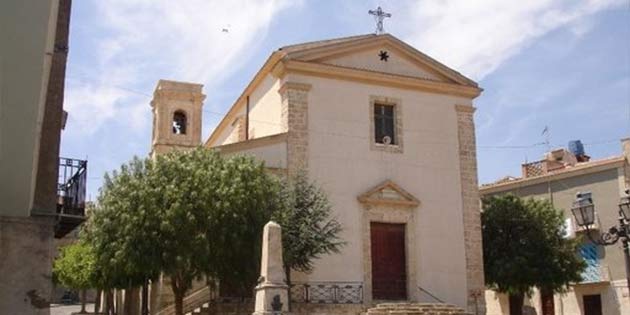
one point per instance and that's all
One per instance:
(269, 293)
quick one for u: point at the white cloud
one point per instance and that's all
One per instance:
(146, 40)
(476, 37)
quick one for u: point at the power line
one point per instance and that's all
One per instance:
(490, 147)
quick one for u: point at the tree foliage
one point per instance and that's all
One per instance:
(524, 246)
(75, 267)
(186, 215)
(120, 228)
(308, 231)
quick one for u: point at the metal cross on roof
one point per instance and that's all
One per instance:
(379, 15)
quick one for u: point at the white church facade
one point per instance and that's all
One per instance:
(388, 134)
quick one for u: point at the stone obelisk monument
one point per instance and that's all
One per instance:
(272, 292)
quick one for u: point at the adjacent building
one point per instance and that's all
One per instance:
(388, 133)
(558, 177)
(35, 207)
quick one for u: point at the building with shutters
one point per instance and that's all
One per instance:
(388, 133)
(558, 177)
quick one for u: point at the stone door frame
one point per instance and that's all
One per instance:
(395, 215)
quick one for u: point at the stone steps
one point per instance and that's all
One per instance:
(416, 309)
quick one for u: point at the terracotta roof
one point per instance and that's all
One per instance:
(507, 181)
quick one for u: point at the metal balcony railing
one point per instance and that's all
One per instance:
(71, 188)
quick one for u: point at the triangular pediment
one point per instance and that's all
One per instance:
(388, 193)
(366, 53)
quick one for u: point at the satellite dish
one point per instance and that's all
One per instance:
(387, 140)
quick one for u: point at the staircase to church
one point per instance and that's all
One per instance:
(416, 309)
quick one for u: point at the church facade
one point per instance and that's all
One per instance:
(388, 134)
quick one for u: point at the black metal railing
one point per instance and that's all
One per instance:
(71, 186)
(423, 290)
(327, 292)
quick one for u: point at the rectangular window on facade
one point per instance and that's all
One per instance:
(384, 124)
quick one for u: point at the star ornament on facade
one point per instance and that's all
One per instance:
(383, 55)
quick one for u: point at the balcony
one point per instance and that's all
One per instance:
(70, 195)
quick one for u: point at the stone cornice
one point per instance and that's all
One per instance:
(294, 86)
(378, 78)
(252, 143)
(465, 108)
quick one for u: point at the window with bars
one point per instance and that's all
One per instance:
(384, 124)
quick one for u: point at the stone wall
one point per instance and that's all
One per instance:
(295, 121)
(26, 265)
(471, 208)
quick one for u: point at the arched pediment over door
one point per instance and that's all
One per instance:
(389, 243)
(388, 193)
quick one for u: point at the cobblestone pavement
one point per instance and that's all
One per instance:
(62, 309)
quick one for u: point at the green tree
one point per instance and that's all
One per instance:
(75, 268)
(186, 215)
(524, 248)
(308, 230)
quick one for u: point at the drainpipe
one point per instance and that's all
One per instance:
(247, 119)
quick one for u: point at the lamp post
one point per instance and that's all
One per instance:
(584, 212)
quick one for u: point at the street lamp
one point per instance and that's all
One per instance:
(584, 212)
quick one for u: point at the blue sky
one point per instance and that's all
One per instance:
(558, 63)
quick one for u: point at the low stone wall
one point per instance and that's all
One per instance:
(247, 308)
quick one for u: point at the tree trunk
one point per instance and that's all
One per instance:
(105, 308)
(145, 298)
(83, 294)
(110, 303)
(179, 303)
(516, 304)
(178, 292)
(97, 302)
(128, 303)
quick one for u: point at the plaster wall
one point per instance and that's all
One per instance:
(396, 63)
(265, 106)
(29, 27)
(341, 160)
(264, 114)
(273, 155)
(230, 133)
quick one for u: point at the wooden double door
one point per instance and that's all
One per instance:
(389, 268)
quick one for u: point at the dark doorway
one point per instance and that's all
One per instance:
(516, 304)
(546, 300)
(389, 270)
(592, 304)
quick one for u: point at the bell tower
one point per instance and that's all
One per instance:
(176, 108)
